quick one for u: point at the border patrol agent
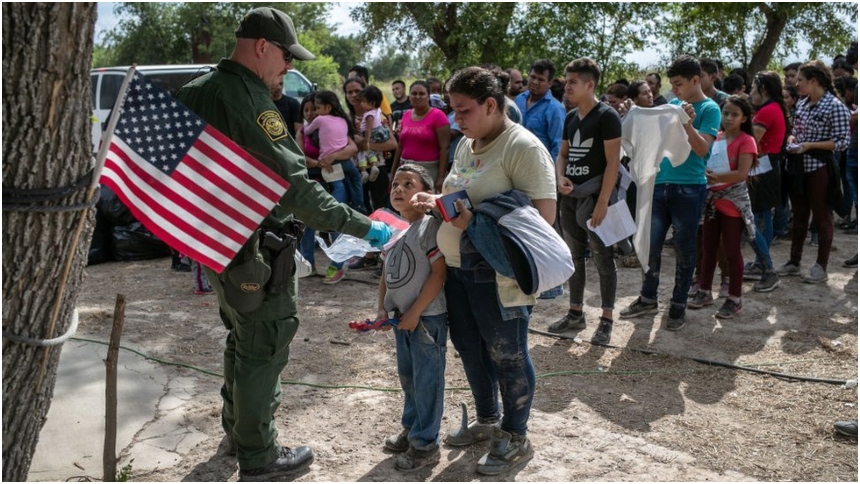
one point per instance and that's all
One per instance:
(257, 291)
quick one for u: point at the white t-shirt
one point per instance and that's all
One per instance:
(516, 160)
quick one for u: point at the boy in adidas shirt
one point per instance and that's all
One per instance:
(587, 172)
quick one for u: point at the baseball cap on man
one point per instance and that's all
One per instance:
(273, 25)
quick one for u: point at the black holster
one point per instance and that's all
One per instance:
(280, 247)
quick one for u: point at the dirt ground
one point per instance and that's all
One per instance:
(599, 414)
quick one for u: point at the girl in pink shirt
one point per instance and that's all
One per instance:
(723, 220)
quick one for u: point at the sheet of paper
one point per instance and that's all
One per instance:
(763, 167)
(617, 225)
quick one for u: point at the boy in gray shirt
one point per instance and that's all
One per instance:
(411, 287)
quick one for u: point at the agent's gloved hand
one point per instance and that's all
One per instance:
(378, 234)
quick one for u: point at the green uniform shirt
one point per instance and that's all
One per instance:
(236, 102)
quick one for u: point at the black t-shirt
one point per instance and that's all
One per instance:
(586, 157)
(290, 109)
(398, 108)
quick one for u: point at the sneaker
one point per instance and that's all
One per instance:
(334, 275)
(700, 300)
(364, 177)
(846, 427)
(753, 271)
(851, 263)
(677, 318)
(729, 309)
(568, 322)
(724, 289)
(603, 333)
(813, 240)
(414, 459)
(203, 292)
(788, 269)
(638, 308)
(506, 451)
(694, 288)
(289, 463)
(768, 282)
(378, 273)
(816, 275)
(397, 443)
(362, 263)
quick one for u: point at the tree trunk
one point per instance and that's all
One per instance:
(47, 103)
(775, 25)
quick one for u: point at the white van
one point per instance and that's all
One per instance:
(106, 82)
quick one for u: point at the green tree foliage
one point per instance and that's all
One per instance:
(391, 63)
(463, 33)
(202, 33)
(346, 51)
(753, 33)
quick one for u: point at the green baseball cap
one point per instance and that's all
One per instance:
(273, 25)
(245, 287)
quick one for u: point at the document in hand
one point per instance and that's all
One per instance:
(616, 226)
(763, 166)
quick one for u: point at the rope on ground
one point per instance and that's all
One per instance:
(397, 389)
(705, 361)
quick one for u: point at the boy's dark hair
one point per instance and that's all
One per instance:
(361, 71)
(733, 83)
(622, 81)
(794, 66)
(556, 88)
(744, 75)
(709, 66)
(399, 81)
(844, 65)
(543, 65)
(433, 80)
(373, 95)
(584, 66)
(329, 98)
(685, 66)
(419, 170)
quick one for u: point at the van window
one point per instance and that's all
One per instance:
(295, 85)
(172, 81)
(109, 91)
(94, 82)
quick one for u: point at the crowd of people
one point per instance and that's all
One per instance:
(754, 163)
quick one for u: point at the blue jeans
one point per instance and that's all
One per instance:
(764, 231)
(421, 367)
(679, 207)
(762, 251)
(352, 184)
(306, 247)
(493, 346)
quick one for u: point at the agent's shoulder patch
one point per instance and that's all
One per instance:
(273, 125)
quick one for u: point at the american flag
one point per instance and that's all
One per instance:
(187, 183)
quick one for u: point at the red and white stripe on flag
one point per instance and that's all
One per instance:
(190, 185)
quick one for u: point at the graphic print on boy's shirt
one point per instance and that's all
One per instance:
(586, 156)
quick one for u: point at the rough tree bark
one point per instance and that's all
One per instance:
(47, 102)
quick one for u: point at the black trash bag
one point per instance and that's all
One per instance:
(100, 247)
(135, 242)
(115, 212)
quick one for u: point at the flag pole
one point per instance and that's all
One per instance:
(94, 184)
